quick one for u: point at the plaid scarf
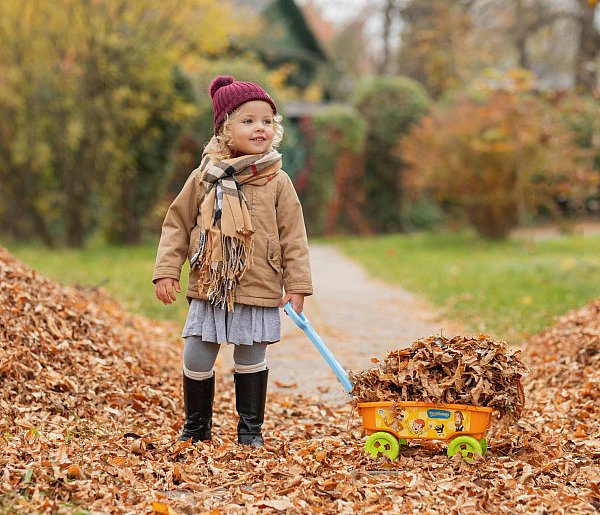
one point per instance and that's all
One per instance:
(225, 251)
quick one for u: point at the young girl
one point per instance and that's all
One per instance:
(239, 222)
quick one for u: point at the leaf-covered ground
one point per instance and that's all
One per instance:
(91, 409)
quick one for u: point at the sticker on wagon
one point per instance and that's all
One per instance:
(411, 422)
(439, 413)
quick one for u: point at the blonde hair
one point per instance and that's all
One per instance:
(220, 144)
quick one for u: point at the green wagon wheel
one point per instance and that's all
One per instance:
(467, 446)
(484, 446)
(382, 443)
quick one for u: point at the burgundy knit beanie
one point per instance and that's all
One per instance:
(228, 94)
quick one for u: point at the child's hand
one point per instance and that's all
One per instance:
(297, 300)
(164, 290)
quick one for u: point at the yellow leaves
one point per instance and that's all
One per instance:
(320, 455)
(220, 21)
(527, 300)
(568, 264)
(118, 461)
(521, 79)
(515, 80)
(314, 93)
(74, 472)
(162, 508)
(177, 476)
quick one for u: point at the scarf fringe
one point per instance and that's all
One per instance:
(226, 245)
(224, 276)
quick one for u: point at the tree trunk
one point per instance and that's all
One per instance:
(521, 36)
(387, 34)
(588, 55)
(41, 227)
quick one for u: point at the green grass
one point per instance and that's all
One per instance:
(125, 272)
(508, 289)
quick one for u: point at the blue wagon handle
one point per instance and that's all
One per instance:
(303, 323)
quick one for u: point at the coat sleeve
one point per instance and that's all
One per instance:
(293, 240)
(176, 230)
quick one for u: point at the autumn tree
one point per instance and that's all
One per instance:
(500, 158)
(525, 32)
(587, 63)
(445, 45)
(439, 44)
(91, 102)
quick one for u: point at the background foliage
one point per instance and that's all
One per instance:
(91, 103)
(331, 185)
(503, 158)
(105, 112)
(390, 106)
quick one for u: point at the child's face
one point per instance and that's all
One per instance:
(252, 129)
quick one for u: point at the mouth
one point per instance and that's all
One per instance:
(258, 139)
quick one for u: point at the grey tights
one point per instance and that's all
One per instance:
(199, 358)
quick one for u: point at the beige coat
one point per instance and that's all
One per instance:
(280, 260)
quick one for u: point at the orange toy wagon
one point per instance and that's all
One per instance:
(391, 424)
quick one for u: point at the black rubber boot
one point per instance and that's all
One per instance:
(198, 399)
(250, 400)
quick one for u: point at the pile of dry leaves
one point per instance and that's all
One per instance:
(91, 410)
(477, 371)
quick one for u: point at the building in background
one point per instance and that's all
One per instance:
(286, 39)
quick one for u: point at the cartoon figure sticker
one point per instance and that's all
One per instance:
(458, 421)
(395, 423)
(418, 427)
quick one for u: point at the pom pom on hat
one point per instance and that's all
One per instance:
(227, 95)
(219, 82)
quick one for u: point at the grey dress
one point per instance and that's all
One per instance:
(246, 325)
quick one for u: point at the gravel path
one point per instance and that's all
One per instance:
(356, 316)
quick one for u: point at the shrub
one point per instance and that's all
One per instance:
(582, 115)
(423, 214)
(499, 159)
(390, 106)
(331, 183)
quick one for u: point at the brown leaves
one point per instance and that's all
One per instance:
(476, 371)
(91, 411)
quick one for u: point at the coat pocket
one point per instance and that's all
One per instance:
(274, 253)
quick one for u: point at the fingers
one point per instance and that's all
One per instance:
(296, 299)
(298, 305)
(171, 293)
(161, 294)
(164, 290)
